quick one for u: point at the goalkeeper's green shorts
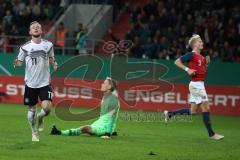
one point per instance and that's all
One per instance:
(103, 125)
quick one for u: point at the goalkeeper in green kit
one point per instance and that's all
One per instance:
(106, 123)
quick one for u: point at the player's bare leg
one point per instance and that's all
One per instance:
(46, 109)
(206, 119)
(32, 122)
(194, 108)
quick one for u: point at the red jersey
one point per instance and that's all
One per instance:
(197, 62)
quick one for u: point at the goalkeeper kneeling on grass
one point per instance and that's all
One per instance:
(106, 123)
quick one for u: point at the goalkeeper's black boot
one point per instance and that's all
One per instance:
(114, 133)
(55, 131)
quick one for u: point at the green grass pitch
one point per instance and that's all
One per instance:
(175, 141)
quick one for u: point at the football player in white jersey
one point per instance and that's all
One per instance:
(38, 55)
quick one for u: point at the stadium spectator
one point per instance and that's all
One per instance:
(34, 9)
(226, 52)
(79, 32)
(82, 41)
(4, 42)
(136, 50)
(14, 31)
(18, 7)
(61, 35)
(7, 21)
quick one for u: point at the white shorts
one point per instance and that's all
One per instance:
(197, 92)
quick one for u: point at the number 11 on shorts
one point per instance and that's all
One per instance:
(49, 95)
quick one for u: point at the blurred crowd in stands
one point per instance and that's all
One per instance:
(159, 30)
(162, 28)
(16, 15)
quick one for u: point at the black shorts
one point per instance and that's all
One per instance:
(31, 95)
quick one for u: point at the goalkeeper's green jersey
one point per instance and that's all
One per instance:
(110, 102)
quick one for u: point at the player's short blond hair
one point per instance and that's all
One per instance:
(192, 40)
(113, 83)
(34, 22)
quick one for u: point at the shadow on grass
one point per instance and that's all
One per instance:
(26, 146)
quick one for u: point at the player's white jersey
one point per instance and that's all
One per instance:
(36, 56)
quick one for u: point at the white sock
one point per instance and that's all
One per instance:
(42, 114)
(31, 115)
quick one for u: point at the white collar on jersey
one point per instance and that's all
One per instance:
(35, 42)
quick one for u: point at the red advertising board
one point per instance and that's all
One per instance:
(224, 100)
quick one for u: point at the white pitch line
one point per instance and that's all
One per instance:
(5, 70)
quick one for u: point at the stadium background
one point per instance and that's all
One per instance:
(156, 39)
(137, 21)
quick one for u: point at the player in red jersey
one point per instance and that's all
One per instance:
(197, 72)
